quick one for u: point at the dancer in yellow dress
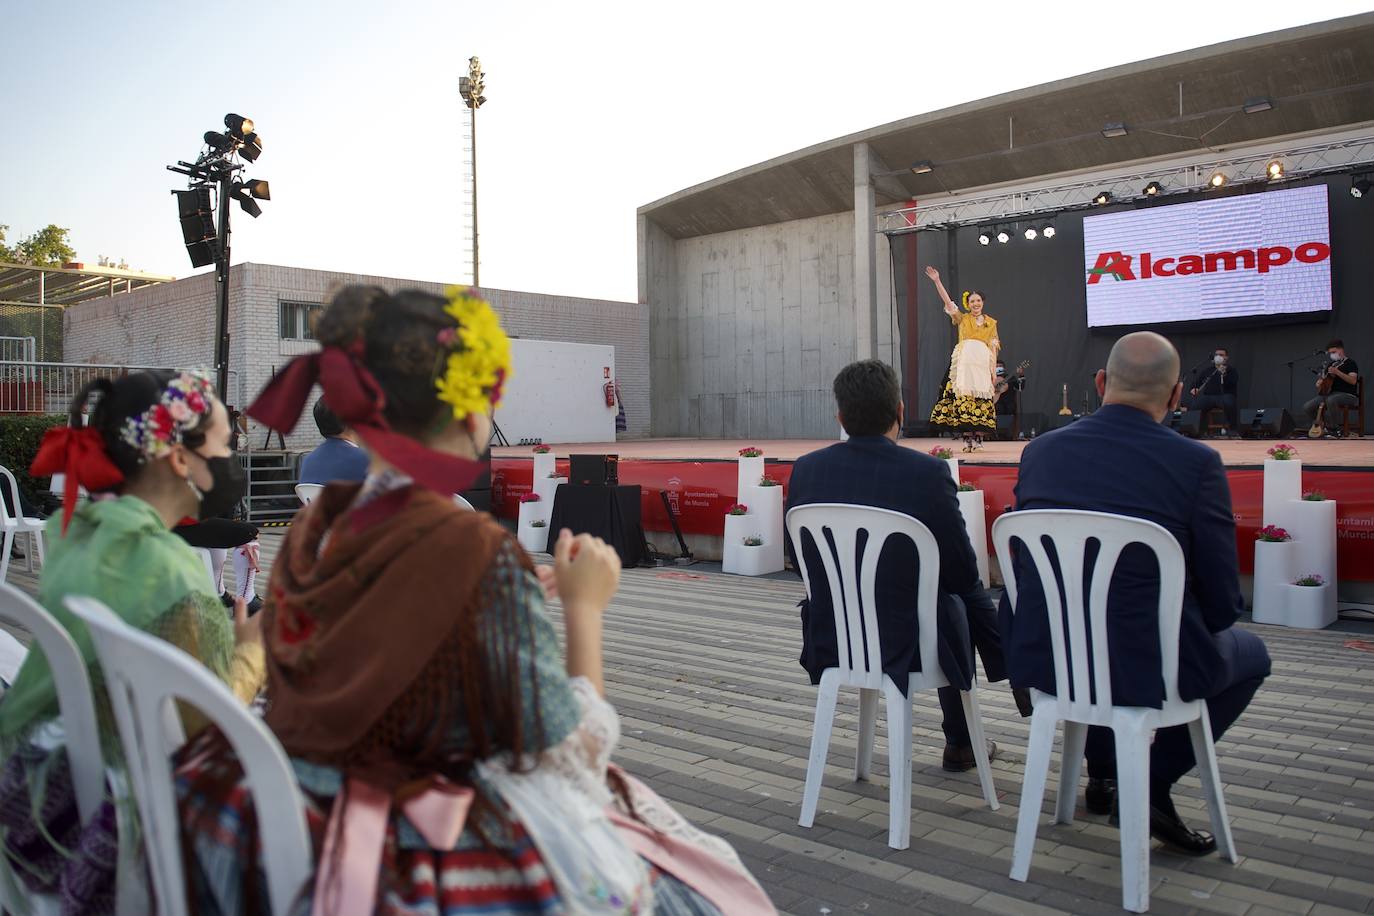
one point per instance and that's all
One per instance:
(966, 403)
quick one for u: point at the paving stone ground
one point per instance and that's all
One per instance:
(716, 715)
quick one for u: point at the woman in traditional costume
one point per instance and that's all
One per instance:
(966, 403)
(452, 759)
(157, 450)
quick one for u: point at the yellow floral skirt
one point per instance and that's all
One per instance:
(961, 411)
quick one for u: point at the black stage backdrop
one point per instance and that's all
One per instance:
(1036, 292)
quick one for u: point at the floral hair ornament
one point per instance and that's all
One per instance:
(965, 301)
(477, 359)
(185, 402)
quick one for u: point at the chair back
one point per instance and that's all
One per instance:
(835, 528)
(144, 675)
(462, 503)
(208, 562)
(305, 492)
(1084, 694)
(12, 489)
(74, 698)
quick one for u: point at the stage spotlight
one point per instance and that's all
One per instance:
(251, 148)
(1103, 198)
(922, 167)
(218, 141)
(1115, 129)
(984, 238)
(259, 188)
(1274, 170)
(1359, 187)
(1153, 189)
(1218, 179)
(1256, 105)
(1031, 233)
(1003, 236)
(239, 126)
(1048, 231)
(248, 204)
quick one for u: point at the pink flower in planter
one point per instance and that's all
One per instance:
(542, 449)
(751, 451)
(737, 509)
(940, 451)
(530, 498)
(1273, 534)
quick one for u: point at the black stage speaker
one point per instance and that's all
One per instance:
(1005, 424)
(594, 470)
(1265, 423)
(1187, 422)
(479, 494)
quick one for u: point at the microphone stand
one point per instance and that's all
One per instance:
(1290, 364)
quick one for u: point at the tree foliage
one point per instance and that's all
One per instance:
(48, 247)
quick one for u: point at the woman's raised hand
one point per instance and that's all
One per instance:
(933, 274)
(587, 570)
(246, 629)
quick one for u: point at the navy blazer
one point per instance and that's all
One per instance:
(875, 471)
(1120, 460)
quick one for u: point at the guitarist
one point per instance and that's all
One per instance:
(1336, 386)
(1216, 385)
(1007, 389)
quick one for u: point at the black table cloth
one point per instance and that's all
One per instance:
(610, 513)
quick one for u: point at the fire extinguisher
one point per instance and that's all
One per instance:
(609, 390)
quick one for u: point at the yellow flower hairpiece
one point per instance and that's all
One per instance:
(965, 301)
(478, 361)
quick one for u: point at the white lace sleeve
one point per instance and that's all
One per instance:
(581, 758)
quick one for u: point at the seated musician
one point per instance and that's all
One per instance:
(1006, 396)
(1216, 386)
(1336, 387)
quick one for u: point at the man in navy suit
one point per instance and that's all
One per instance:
(1122, 460)
(871, 469)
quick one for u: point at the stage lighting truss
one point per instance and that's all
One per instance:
(1353, 156)
(220, 166)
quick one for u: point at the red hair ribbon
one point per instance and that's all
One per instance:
(356, 398)
(79, 453)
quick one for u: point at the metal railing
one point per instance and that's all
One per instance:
(28, 387)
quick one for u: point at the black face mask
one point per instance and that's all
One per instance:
(229, 483)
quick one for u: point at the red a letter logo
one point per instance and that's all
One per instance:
(1113, 264)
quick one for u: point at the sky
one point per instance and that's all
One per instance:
(594, 109)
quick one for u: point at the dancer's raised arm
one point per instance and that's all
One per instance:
(951, 309)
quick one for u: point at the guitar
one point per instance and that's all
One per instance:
(1324, 379)
(1318, 430)
(1003, 385)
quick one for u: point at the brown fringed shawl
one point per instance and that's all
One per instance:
(378, 644)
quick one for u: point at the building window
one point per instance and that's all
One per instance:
(296, 319)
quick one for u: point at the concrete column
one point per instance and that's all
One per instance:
(865, 257)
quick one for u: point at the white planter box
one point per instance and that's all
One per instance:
(1310, 607)
(976, 522)
(1313, 527)
(1282, 482)
(765, 503)
(953, 469)
(751, 561)
(534, 540)
(750, 472)
(733, 557)
(1274, 571)
(547, 488)
(544, 465)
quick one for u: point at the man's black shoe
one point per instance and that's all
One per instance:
(1101, 795)
(226, 599)
(1023, 701)
(959, 759)
(1169, 829)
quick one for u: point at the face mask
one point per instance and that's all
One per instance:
(229, 483)
(1333, 355)
(1219, 360)
(1001, 371)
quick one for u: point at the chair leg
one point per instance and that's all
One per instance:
(868, 727)
(1133, 803)
(38, 548)
(820, 747)
(974, 716)
(29, 542)
(1043, 723)
(5, 549)
(1070, 766)
(1204, 751)
(899, 767)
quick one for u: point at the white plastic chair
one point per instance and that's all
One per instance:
(1132, 726)
(17, 524)
(462, 503)
(209, 562)
(78, 718)
(305, 492)
(860, 655)
(144, 675)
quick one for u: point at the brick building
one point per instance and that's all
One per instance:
(173, 324)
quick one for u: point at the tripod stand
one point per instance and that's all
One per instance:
(497, 436)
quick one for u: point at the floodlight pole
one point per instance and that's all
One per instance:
(222, 290)
(471, 88)
(472, 110)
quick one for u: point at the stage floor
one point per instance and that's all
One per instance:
(1335, 453)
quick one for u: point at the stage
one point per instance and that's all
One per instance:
(699, 479)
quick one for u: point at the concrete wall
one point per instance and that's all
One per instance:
(173, 325)
(748, 328)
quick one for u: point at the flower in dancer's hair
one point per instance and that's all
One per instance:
(1283, 452)
(476, 359)
(768, 482)
(1311, 580)
(737, 509)
(530, 498)
(183, 405)
(751, 451)
(542, 449)
(940, 451)
(754, 540)
(1273, 534)
(1314, 496)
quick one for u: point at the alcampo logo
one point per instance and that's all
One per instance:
(1121, 266)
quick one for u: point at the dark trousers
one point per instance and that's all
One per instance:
(1245, 665)
(1227, 403)
(981, 616)
(1332, 401)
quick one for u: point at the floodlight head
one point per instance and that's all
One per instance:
(1274, 170)
(1360, 187)
(248, 204)
(1218, 179)
(1049, 231)
(1153, 189)
(251, 148)
(218, 141)
(1256, 105)
(1031, 233)
(922, 167)
(259, 188)
(1003, 236)
(1103, 198)
(238, 125)
(984, 238)
(1114, 129)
